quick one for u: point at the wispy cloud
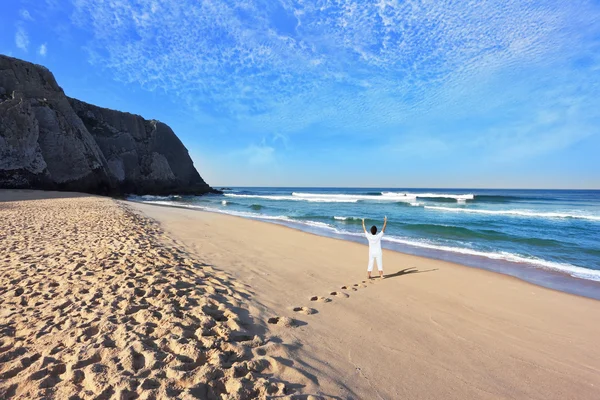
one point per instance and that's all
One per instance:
(25, 15)
(21, 39)
(283, 139)
(358, 67)
(43, 50)
(263, 153)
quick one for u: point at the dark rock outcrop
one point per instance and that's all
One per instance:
(144, 157)
(49, 141)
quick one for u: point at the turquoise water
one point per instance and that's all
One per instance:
(548, 237)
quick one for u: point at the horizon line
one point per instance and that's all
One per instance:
(392, 187)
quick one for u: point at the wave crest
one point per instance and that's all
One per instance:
(518, 213)
(353, 198)
(457, 197)
(574, 271)
(348, 219)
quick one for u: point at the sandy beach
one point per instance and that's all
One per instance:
(97, 303)
(103, 298)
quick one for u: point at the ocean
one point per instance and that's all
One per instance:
(547, 237)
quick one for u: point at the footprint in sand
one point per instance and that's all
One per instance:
(359, 285)
(282, 321)
(305, 310)
(320, 299)
(349, 287)
(339, 294)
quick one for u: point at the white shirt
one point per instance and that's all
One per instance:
(374, 242)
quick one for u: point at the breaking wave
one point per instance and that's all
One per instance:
(519, 213)
(353, 198)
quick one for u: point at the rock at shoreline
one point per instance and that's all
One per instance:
(52, 142)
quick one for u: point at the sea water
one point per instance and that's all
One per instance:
(548, 237)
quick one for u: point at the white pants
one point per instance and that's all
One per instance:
(373, 257)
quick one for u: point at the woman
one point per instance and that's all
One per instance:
(375, 253)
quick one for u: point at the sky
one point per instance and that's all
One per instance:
(466, 94)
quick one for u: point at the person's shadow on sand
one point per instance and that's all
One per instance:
(407, 271)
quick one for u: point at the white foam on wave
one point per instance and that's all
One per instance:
(312, 223)
(574, 271)
(242, 214)
(148, 197)
(346, 218)
(320, 199)
(386, 196)
(353, 198)
(224, 202)
(339, 197)
(458, 197)
(520, 213)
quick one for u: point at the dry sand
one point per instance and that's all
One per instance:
(96, 303)
(99, 301)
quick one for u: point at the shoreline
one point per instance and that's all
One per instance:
(536, 275)
(431, 329)
(102, 297)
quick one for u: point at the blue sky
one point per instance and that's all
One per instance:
(340, 93)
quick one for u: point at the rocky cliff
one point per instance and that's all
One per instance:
(50, 141)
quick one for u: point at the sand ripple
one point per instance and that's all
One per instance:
(94, 305)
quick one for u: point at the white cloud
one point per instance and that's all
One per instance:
(284, 139)
(221, 50)
(21, 38)
(350, 66)
(25, 15)
(42, 50)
